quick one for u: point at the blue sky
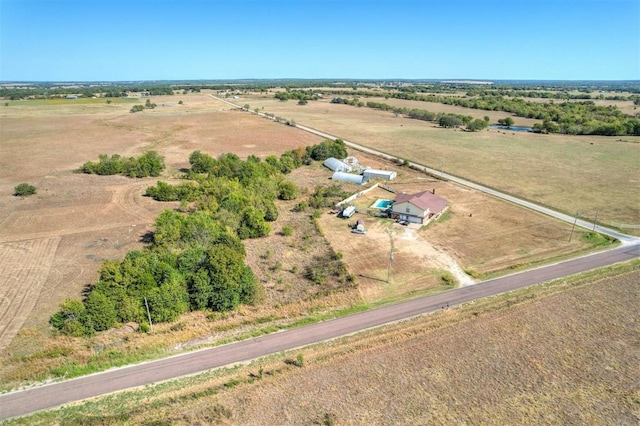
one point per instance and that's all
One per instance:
(115, 40)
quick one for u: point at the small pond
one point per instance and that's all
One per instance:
(512, 128)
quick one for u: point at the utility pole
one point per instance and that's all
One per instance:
(148, 313)
(573, 227)
(442, 169)
(595, 221)
(390, 257)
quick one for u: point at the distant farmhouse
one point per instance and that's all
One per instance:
(418, 208)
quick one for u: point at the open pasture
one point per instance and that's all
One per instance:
(52, 243)
(576, 174)
(77, 221)
(548, 360)
(560, 353)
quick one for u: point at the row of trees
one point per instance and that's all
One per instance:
(566, 117)
(89, 91)
(149, 164)
(194, 260)
(444, 120)
(300, 95)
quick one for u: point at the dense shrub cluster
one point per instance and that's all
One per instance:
(24, 189)
(301, 95)
(148, 164)
(194, 261)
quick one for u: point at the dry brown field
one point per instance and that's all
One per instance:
(559, 353)
(545, 361)
(576, 174)
(52, 243)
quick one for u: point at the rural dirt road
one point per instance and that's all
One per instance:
(23, 402)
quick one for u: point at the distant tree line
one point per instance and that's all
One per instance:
(47, 92)
(444, 120)
(532, 89)
(148, 164)
(577, 118)
(300, 95)
(195, 259)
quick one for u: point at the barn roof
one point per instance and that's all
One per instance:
(348, 177)
(425, 200)
(336, 165)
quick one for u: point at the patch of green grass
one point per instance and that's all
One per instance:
(596, 239)
(105, 360)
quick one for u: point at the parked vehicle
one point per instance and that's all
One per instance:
(348, 211)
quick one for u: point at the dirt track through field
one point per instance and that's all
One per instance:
(24, 268)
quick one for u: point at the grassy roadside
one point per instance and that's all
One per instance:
(65, 358)
(599, 242)
(206, 397)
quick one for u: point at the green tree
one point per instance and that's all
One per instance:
(477, 124)
(168, 301)
(101, 311)
(202, 163)
(252, 224)
(508, 122)
(287, 190)
(449, 120)
(24, 190)
(71, 319)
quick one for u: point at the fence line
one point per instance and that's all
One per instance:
(356, 195)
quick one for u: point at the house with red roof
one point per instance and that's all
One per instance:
(418, 208)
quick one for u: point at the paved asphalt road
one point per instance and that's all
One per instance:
(53, 395)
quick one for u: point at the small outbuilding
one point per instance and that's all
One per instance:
(336, 165)
(379, 174)
(418, 208)
(349, 178)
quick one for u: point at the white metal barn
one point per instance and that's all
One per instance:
(336, 165)
(379, 174)
(349, 178)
